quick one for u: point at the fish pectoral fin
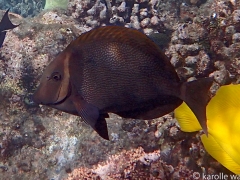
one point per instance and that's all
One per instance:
(90, 114)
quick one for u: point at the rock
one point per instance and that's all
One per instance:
(203, 65)
(191, 33)
(185, 72)
(103, 13)
(134, 22)
(175, 60)
(236, 38)
(122, 7)
(145, 22)
(191, 61)
(135, 9)
(155, 20)
(148, 30)
(220, 76)
(230, 30)
(236, 16)
(143, 13)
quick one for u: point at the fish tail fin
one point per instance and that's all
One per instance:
(2, 37)
(217, 152)
(6, 24)
(186, 119)
(195, 94)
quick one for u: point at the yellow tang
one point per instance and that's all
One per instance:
(223, 122)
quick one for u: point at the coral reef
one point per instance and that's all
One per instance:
(26, 8)
(201, 39)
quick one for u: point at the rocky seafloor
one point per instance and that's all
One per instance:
(201, 39)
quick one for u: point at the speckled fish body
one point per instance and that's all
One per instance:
(5, 25)
(119, 70)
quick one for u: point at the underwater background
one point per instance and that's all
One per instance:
(201, 39)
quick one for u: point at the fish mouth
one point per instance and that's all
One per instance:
(35, 99)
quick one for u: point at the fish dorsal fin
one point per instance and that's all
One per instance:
(117, 37)
(114, 33)
(5, 23)
(121, 35)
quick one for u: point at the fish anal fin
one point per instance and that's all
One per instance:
(101, 127)
(195, 94)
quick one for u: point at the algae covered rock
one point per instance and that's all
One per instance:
(50, 4)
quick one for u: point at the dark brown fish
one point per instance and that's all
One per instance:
(119, 70)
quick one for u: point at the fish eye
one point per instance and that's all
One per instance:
(56, 76)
